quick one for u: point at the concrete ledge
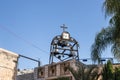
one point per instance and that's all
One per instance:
(8, 52)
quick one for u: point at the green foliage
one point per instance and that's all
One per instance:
(108, 71)
(111, 7)
(117, 74)
(111, 34)
(101, 41)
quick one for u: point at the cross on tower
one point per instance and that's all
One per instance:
(64, 27)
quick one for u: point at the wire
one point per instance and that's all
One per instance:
(19, 37)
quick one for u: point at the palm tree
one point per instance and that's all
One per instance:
(84, 72)
(111, 34)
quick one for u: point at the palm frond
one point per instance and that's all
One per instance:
(89, 72)
(102, 40)
(116, 51)
(110, 35)
(84, 72)
(111, 7)
(77, 74)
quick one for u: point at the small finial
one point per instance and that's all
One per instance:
(64, 27)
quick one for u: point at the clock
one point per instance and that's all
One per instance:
(65, 35)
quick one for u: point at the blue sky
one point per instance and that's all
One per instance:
(25, 23)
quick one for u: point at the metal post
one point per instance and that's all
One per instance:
(31, 59)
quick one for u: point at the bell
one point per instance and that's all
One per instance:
(56, 50)
(62, 43)
(59, 57)
(59, 43)
(70, 55)
(56, 53)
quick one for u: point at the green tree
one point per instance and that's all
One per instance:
(117, 74)
(107, 72)
(109, 36)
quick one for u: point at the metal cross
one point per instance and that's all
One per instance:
(64, 27)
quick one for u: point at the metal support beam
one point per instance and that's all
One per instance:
(30, 59)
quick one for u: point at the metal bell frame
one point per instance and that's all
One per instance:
(63, 49)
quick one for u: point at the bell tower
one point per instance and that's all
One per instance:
(63, 47)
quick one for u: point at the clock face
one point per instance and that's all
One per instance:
(66, 36)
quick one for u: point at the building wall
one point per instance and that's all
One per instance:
(8, 64)
(54, 71)
(28, 76)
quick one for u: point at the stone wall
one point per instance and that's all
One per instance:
(54, 71)
(8, 64)
(57, 70)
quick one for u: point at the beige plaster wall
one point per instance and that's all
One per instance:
(8, 64)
